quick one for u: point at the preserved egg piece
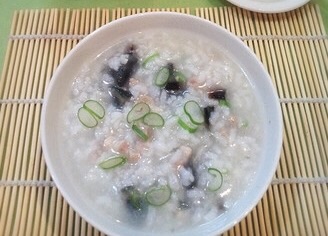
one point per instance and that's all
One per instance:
(183, 204)
(174, 87)
(135, 203)
(176, 82)
(219, 94)
(122, 75)
(187, 176)
(119, 88)
(185, 167)
(119, 95)
(207, 114)
(125, 71)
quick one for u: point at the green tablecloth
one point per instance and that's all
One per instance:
(7, 8)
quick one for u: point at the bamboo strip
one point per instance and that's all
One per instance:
(239, 18)
(22, 160)
(71, 29)
(65, 16)
(32, 205)
(75, 26)
(77, 225)
(88, 23)
(28, 213)
(84, 227)
(62, 215)
(211, 14)
(257, 218)
(216, 16)
(96, 17)
(53, 222)
(56, 43)
(34, 153)
(92, 20)
(44, 43)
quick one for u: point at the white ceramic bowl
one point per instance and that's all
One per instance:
(269, 6)
(101, 39)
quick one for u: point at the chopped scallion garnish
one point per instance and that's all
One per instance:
(153, 119)
(138, 112)
(157, 196)
(86, 118)
(112, 162)
(90, 113)
(195, 113)
(181, 78)
(224, 103)
(162, 77)
(185, 122)
(216, 179)
(95, 108)
(140, 132)
(150, 58)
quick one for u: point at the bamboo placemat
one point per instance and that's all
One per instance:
(294, 48)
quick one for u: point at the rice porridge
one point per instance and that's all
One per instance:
(164, 130)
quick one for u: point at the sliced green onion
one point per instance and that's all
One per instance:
(140, 132)
(138, 112)
(95, 108)
(150, 58)
(112, 162)
(244, 124)
(195, 113)
(181, 78)
(86, 118)
(162, 76)
(216, 181)
(135, 199)
(157, 196)
(153, 119)
(185, 122)
(224, 103)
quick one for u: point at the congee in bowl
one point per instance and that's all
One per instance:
(162, 130)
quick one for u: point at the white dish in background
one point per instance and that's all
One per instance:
(53, 144)
(269, 6)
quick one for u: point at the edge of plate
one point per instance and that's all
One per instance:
(279, 6)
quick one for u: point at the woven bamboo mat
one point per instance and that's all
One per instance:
(294, 48)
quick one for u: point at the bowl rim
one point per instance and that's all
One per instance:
(160, 17)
